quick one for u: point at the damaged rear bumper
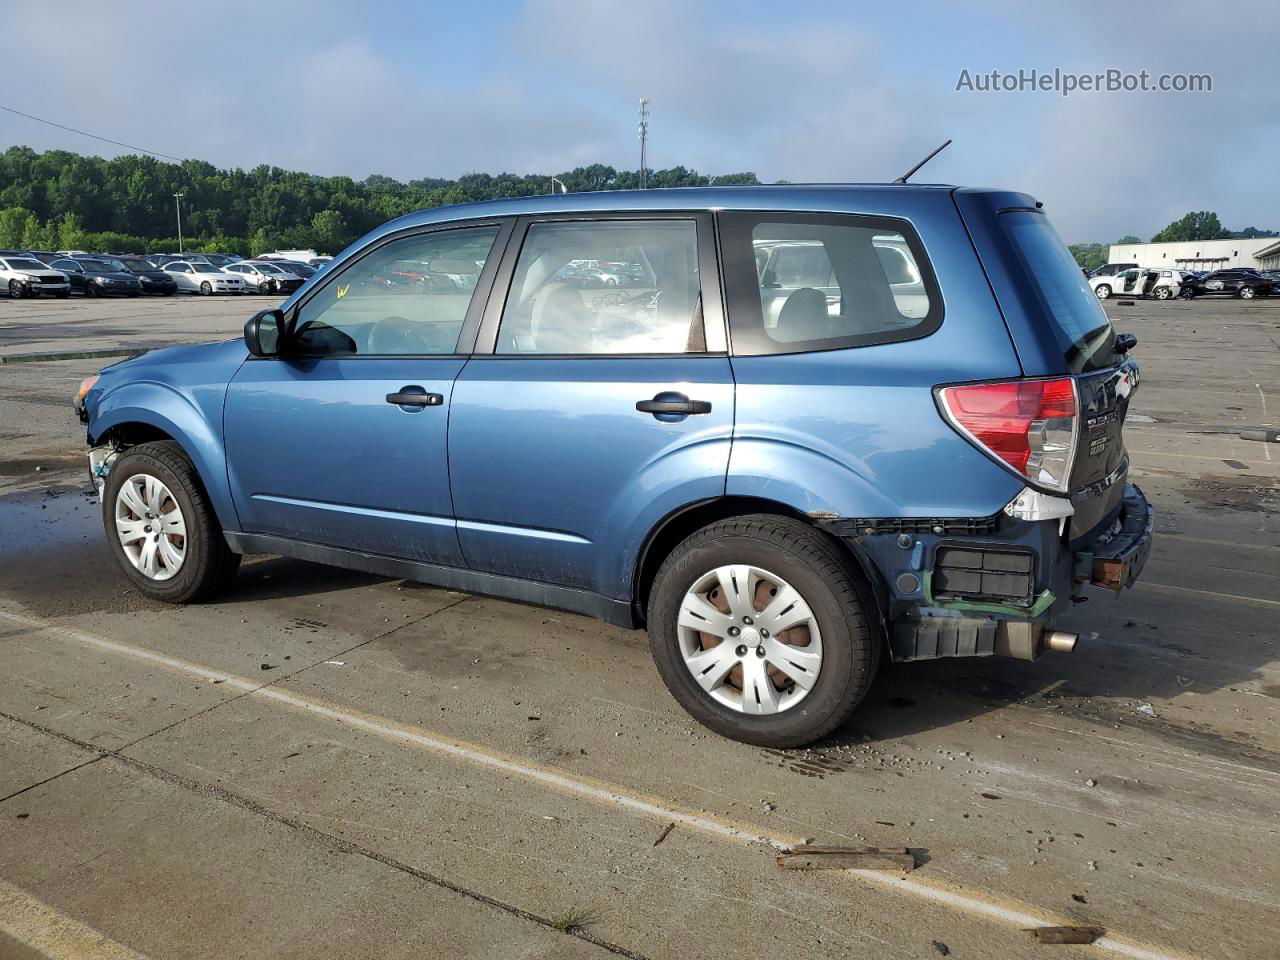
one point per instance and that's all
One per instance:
(997, 587)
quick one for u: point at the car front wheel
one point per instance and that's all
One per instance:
(16, 290)
(264, 287)
(1102, 291)
(161, 527)
(761, 632)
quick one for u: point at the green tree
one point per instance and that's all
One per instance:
(1089, 255)
(13, 225)
(38, 236)
(1202, 225)
(329, 231)
(1129, 238)
(70, 232)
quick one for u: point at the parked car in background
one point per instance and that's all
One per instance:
(303, 270)
(256, 278)
(152, 278)
(222, 259)
(1241, 283)
(781, 504)
(319, 262)
(284, 280)
(98, 278)
(203, 278)
(44, 256)
(1111, 269)
(73, 254)
(22, 276)
(1137, 282)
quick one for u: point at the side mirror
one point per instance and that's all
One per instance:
(264, 332)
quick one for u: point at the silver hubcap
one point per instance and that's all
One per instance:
(749, 639)
(151, 527)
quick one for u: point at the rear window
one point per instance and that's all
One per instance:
(799, 283)
(1071, 309)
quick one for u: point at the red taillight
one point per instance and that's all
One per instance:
(1028, 424)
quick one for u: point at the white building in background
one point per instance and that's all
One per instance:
(1260, 253)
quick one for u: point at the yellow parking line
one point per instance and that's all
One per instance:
(977, 903)
(35, 924)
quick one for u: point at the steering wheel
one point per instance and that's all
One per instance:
(400, 335)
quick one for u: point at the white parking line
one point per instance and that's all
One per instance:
(35, 924)
(974, 902)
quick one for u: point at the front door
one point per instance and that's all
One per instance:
(343, 440)
(601, 406)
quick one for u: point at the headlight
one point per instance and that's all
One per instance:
(85, 386)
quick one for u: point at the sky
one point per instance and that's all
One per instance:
(802, 91)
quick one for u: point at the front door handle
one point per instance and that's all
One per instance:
(676, 403)
(415, 397)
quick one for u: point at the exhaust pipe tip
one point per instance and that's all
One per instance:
(1060, 641)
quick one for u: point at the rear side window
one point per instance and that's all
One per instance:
(1071, 309)
(805, 282)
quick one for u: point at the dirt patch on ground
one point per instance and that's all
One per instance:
(1242, 494)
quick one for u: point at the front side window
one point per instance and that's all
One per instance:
(801, 282)
(605, 287)
(406, 297)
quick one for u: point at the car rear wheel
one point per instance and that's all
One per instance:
(1163, 293)
(1245, 293)
(16, 290)
(760, 631)
(1102, 291)
(161, 528)
(90, 290)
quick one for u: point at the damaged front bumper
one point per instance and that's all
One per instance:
(994, 586)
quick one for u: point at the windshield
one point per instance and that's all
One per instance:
(138, 266)
(97, 266)
(1071, 308)
(24, 263)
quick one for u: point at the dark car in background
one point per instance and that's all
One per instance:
(1239, 282)
(297, 268)
(152, 278)
(96, 277)
(222, 259)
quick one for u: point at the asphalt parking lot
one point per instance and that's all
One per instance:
(325, 763)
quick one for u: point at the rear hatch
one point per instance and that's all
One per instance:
(1059, 329)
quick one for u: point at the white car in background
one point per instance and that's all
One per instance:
(1139, 282)
(265, 277)
(203, 278)
(28, 277)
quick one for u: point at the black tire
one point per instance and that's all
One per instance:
(264, 287)
(1102, 291)
(813, 565)
(170, 293)
(1246, 293)
(206, 288)
(16, 290)
(209, 564)
(1186, 294)
(91, 291)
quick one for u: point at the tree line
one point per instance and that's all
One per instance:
(59, 200)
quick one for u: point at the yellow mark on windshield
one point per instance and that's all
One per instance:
(342, 291)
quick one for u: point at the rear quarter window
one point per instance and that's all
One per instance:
(798, 283)
(1070, 309)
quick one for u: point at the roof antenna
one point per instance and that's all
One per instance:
(906, 176)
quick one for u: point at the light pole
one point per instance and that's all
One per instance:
(177, 206)
(556, 181)
(643, 127)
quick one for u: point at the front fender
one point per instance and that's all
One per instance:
(193, 420)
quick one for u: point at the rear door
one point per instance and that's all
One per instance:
(589, 411)
(1059, 327)
(343, 441)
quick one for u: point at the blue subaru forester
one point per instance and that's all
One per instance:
(787, 429)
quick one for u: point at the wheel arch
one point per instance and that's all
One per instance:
(681, 523)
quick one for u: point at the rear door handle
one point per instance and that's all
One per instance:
(415, 397)
(673, 403)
